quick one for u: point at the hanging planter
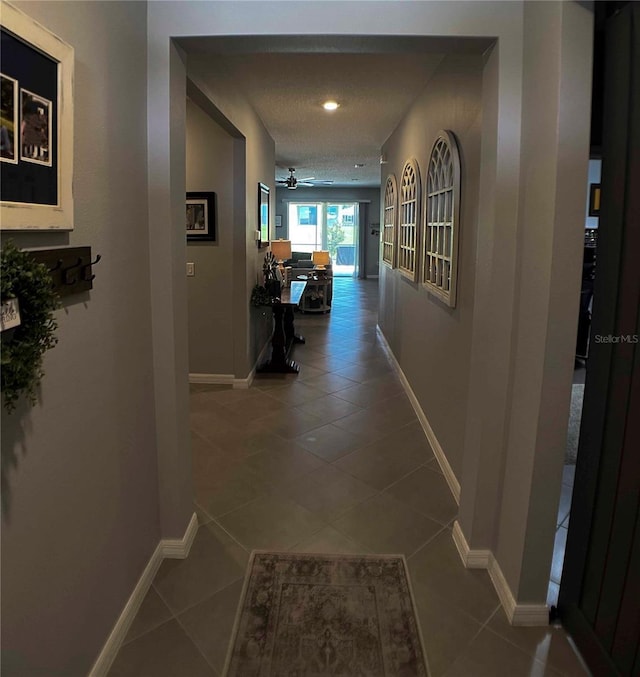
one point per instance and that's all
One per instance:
(28, 302)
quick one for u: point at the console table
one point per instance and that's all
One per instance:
(319, 291)
(284, 335)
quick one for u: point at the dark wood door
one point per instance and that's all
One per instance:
(599, 599)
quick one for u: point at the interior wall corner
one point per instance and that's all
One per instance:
(166, 121)
(551, 224)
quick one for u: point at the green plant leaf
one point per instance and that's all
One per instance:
(23, 347)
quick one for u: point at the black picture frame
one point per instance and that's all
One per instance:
(595, 197)
(200, 217)
(263, 215)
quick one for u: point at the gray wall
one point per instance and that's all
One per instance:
(254, 162)
(79, 475)
(369, 216)
(431, 341)
(210, 168)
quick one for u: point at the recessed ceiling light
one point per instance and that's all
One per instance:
(358, 165)
(330, 105)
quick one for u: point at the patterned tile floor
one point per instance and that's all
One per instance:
(330, 460)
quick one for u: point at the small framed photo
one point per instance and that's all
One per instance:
(201, 217)
(263, 215)
(35, 126)
(9, 138)
(594, 199)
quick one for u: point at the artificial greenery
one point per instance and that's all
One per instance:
(24, 346)
(260, 296)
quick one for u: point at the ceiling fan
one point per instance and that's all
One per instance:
(292, 183)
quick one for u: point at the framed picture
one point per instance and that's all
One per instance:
(201, 217)
(263, 215)
(594, 199)
(36, 125)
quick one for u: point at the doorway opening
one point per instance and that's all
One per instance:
(327, 225)
(577, 387)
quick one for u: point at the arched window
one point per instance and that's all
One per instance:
(440, 263)
(409, 214)
(389, 225)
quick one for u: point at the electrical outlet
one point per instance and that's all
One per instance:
(191, 269)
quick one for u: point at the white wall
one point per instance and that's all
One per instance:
(79, 470)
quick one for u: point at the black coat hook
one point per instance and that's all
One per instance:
(86, 269)
(66, 277)
(56, 267)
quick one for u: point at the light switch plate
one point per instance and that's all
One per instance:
(191, 269)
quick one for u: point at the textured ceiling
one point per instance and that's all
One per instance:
(374, 79)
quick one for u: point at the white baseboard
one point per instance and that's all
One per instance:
(472, 559)
(178, 548)
(517, 614)
(223, 379)
(438, 452)
(169, 548)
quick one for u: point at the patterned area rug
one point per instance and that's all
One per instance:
(306, 615)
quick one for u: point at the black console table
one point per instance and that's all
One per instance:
(284, 335)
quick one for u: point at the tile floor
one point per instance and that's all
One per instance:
(330, 460)
(561, 534)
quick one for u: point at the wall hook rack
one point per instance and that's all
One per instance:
(70, 268)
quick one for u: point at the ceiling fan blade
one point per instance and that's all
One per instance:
(307, 178)
(304, 183)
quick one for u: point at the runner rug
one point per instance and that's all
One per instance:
(304, 615)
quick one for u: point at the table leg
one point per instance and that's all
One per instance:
(279, 363)
(289, 331)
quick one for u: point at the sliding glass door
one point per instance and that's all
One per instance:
(326, 225)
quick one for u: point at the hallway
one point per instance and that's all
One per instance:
(331, 460)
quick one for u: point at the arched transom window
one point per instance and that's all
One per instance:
(440, 263)
(389, 226)
(409, 214)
